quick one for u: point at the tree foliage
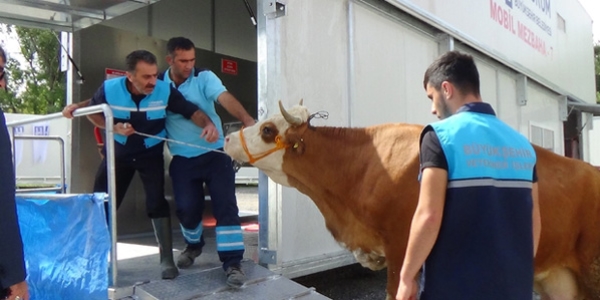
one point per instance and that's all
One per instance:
(36, 84)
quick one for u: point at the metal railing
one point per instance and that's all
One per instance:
(63, 177)
(110, 166)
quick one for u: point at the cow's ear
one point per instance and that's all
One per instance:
(298, 146)
(293, 136)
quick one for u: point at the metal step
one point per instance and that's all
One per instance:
(209, 284)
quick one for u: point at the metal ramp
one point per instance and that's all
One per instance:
(209, 284)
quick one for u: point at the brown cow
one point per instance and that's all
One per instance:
(369, 211)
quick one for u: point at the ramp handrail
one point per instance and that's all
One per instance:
(110, 166)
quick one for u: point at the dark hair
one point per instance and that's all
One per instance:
(139, 55)
(456, 68)
(179, 43)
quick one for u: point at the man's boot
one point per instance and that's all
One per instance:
(187, 257)
(162, 230)
(194, 242)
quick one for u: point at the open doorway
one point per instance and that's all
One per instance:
(572, 135)
(225, 40)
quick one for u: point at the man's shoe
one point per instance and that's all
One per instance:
(187, 257)
(235, 276)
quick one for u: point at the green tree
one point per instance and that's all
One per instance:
(36, 85)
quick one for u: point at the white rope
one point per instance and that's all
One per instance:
(179, 142)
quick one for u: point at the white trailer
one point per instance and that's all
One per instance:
(362, 61)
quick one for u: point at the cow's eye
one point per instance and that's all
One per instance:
(268, 132)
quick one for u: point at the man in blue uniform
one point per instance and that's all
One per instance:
(192, 167)
(476, 227)
(12, 262)
(140, 103)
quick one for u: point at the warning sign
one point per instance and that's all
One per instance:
(229, 66)
(113, 73)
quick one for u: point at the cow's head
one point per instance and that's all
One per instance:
(264, 143)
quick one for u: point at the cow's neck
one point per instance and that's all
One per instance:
(332, 164)
(330, 155)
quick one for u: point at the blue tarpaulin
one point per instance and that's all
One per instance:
(66, 243)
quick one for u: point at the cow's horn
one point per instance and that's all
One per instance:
(301, 101)
(289, 118)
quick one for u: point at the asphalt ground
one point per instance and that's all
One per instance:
(352, 282)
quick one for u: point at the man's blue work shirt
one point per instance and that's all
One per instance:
(202, 88)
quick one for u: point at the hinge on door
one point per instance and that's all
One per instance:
(267, 256)
(274, 9)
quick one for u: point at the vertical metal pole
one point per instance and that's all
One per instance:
(351, 63)
(63, 172)
(263, 182)
(112, 189)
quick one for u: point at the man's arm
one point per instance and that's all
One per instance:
(425, 225)
(96, 119)
(98, 98)
(179, 105)
(235, 108)
(201, 119)
(69, 109)
(537, 218)
(120, 128)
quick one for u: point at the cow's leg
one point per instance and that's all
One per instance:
(591, 279)
(395, 258)
(393, 278)
(557, 284)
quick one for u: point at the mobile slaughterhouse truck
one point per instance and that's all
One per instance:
(362, 61)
